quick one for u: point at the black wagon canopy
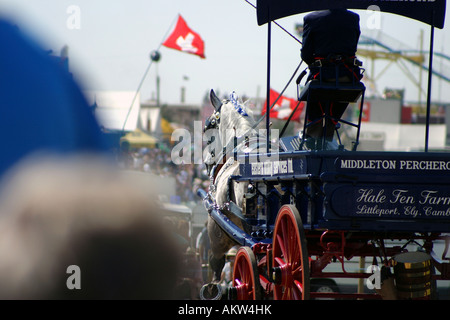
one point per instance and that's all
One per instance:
(431, 12)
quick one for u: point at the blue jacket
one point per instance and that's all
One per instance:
(334, 31)
(41, 106)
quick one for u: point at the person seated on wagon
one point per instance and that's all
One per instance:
(330, 37)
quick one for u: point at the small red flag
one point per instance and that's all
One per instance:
(185, 39)
(284, 107)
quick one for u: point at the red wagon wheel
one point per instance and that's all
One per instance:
(290, 256)
(245, 276)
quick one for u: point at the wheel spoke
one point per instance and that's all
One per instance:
(296, 295)
(240, 271)
(280, 242)
(285, 237)
(298, 286)
(297, 272)
(244, 273)
(286, 295)
(280, 261)
(290, 241)
(293, 251)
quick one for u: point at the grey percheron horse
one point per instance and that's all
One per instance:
(229, 130)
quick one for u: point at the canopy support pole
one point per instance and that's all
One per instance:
(430, 75)
(269, 40)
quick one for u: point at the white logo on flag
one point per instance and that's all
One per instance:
(284, 109)
(186, 43)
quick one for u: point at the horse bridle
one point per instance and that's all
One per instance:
(212, 122)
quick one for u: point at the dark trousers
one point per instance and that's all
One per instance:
(321, 117)
(318, 113)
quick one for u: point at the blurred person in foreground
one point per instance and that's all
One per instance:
(61, 204)
(76, 211)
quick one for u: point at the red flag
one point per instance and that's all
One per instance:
(284, 107)
(185, 39)
(366, 112)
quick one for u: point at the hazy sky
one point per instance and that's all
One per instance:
(109, 49)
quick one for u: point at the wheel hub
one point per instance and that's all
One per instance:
(282, 275)
(241, 290)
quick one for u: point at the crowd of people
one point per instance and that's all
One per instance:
(157, 161)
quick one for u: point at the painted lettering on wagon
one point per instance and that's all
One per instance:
(368, 164)
(379, 164)
(272, 167)
(402, 203)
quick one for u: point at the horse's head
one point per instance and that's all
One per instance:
(213, 121)
(230, 119)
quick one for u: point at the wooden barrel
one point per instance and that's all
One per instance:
(412, 273)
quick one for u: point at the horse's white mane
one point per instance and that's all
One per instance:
(237, 116)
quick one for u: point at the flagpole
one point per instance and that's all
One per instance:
(146, 72)
(269, 40)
